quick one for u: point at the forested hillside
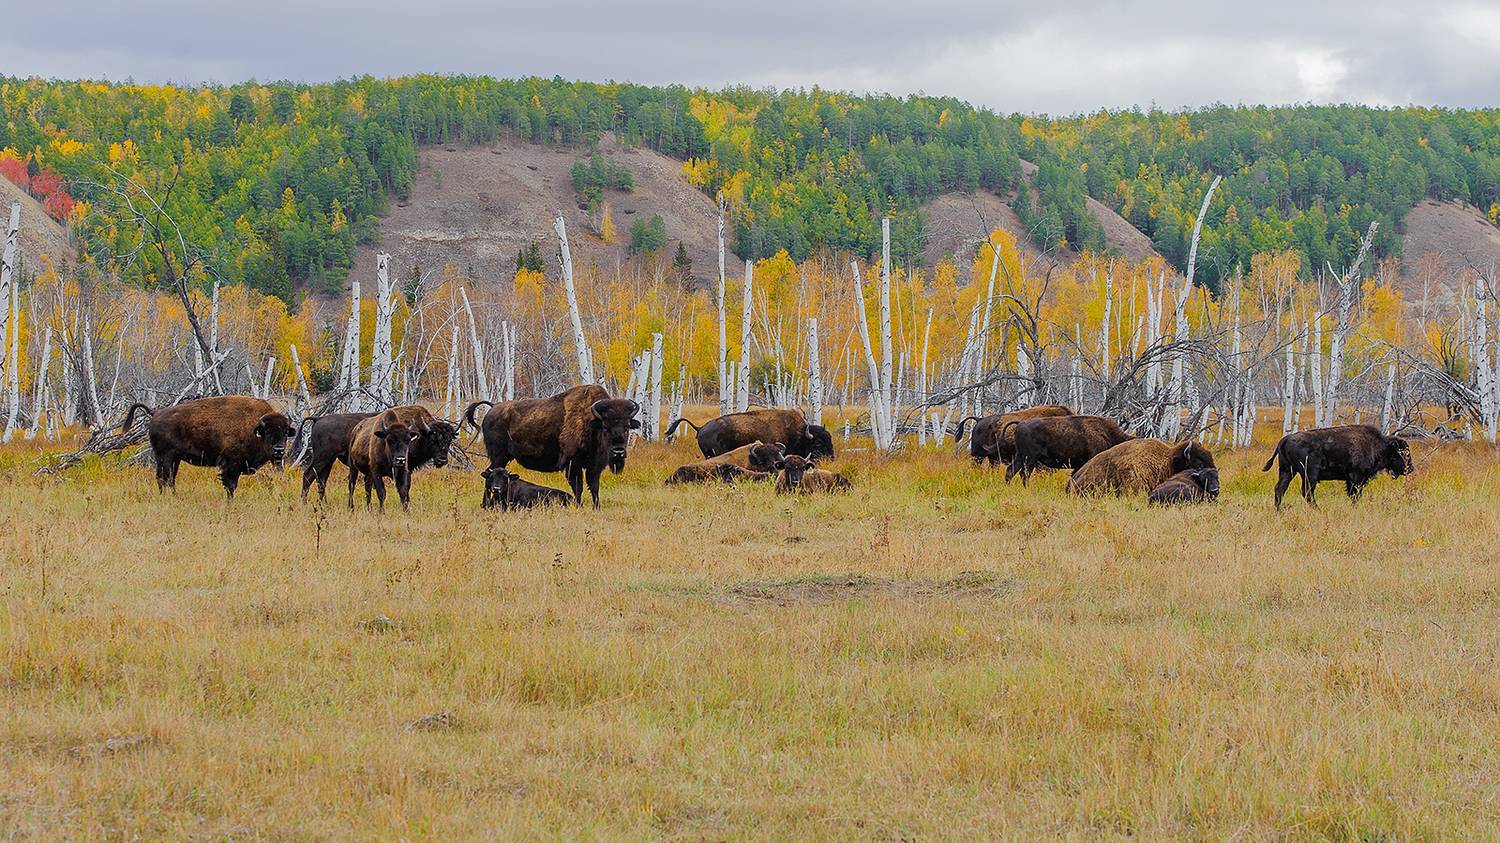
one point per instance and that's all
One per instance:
(277, 183)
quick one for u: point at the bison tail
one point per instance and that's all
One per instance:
(960, 434)
(469, 412)
(1275, 452)
(672, 428)
(1006, 428)
(130, 415)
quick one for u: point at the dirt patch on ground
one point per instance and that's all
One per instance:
(821, 588)
(476, 206)
(43, 240)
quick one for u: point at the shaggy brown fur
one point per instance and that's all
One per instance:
(236, 434)
(787, 427)
(578, 432)
(1137, 466)
(1059, 442)
(986, 442)
(380, 447)
(1195, 486)
(757, 457)
(801, 476)
(331, 436)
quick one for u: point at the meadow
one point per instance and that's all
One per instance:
(935, 655)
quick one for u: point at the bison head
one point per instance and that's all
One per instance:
(398, 440)
(763, 456)
(437, 439)
(613, 419)
(793, 466)
(497, 482)
(1397, 456)
(1207, 480)
(820, 442)
(1189, 455)
(274, 429)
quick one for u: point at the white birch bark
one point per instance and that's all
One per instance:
(1482, 361)
(1315, 371)
(654, 421)
(877, 413)
(302, 394)
(91, 384)
(1289, 386)
(349, 379)
(1109, 283)
(726, 399)
(742, 399)
(585, 359)
(13, 362)
(43, 365)
(265, 386)
(380, 352)
(814, 374)
(922, 396)
(1390, 393)
(887, 398)
(475, 343)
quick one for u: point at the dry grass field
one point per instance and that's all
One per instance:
(936, 655)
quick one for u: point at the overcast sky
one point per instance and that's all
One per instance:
(1056, 57)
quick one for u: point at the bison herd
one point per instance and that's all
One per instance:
(583, 431)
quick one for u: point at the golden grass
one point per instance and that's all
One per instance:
(936, 654)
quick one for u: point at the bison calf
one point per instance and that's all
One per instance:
(236, 434)
(1353, 453)
(799, 475)
(509, 490)
(1194, 486)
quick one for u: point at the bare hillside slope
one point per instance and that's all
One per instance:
(1444, 242)
(41, 236)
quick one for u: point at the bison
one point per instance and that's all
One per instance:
(380, 447)
(1137, 466)
(236, 434)
(331, 436)
(1192, 486)
(789, 428)
(1059, 442)
(1353, 453)
(511, 491)
(800, 475)
(757, 457)
(578, 432)
(986, 442)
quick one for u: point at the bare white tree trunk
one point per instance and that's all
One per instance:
(727, 399)
(742, 399)
(1289, 383)
(481, 382)
(1390, 392)
(380, 352)
(349, 373)
(509, 393)
(302, 394)
(13, 360)
(1348, 284)
(654, 422)
(877, 411)
(1109, 283)
(987, 306)
(922, 396)
(265, 386)
(1315, 373)
(814, 374)
(9, 348)
(1482, 360)
(585, 359)
(44, 363)
(886, 397)
(91, 384)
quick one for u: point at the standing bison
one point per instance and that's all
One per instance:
(1353, 453)
(1059, 442)
(986, 443)
(789, 428)
(380, 447)
(1137, 466)
(578, 432)
(236, 434)
(332, 434)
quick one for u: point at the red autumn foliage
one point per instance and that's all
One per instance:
(14, 170)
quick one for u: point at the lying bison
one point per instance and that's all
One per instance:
(789, 428)
(1353, 453)
(986, 443)
(236, 434)
(1059, 442)
(511, 492)
(799, 475)
(380, 447)
(757, 457)
(1137, 466)
(577, 432)
(331, 436)
(1193, 486)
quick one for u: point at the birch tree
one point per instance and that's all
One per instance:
(380, 351)
(742, 400)
(565, 257)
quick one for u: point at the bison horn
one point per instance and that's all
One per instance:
(635, 409)
(597, 410)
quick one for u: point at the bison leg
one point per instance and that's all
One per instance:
(1010, 470)
(164, 461)
(1310, 481)
(353, 477)
(575, 480)
(1283, 481)
(403, 490)
(375, 480)
(309, 474)
(1354, 489)
(594, 474)
(231, 479)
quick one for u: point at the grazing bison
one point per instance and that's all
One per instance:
(1353, 453)
(512, 492)
(332, 434)
(758, 457)
(578, 432)
(380, 447)
(236, 434)
(986, 443)
(799, 475)
(1137, 466)
(1059, 442)
(789, 428)
(1193, 486)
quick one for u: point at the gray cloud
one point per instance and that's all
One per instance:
(1061, 57)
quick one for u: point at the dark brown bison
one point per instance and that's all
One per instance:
(986, 443)
(332, 434)
(380, 447)
(1353, 453)
(1059, 442)
(578, 432)
(787, 427)
(510, 491)
(757, 457)
(799, 475)
(1137, 466)
(1193, 486)
(236, 434)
